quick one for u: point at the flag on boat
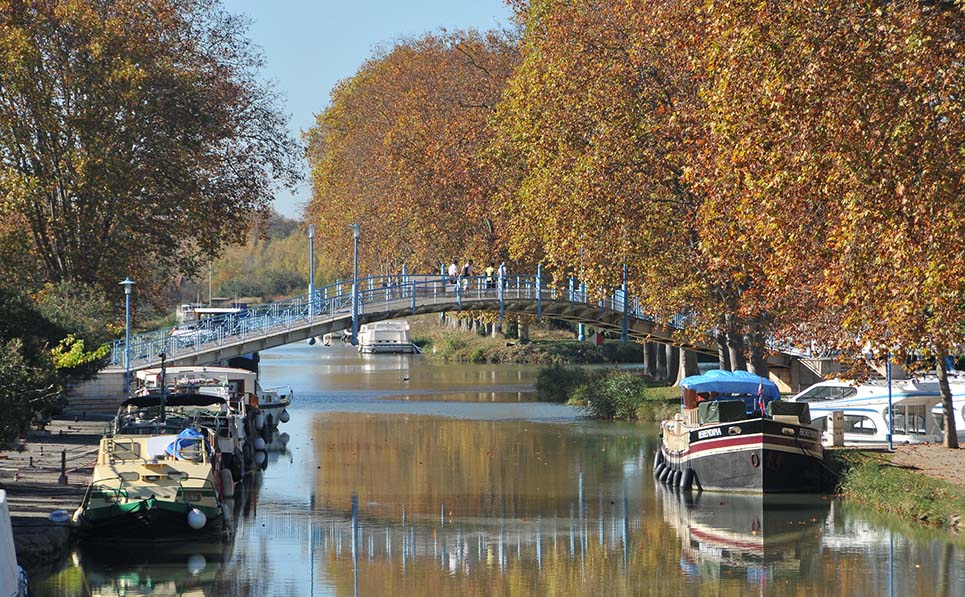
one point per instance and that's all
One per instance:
(760, 394)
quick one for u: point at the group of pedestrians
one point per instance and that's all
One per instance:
(466, 271)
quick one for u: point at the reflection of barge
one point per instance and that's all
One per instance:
(734, 434)
(760, 537)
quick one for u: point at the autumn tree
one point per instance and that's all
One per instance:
(398, 150)
(838, 154)
(606, 116)
(135, 138)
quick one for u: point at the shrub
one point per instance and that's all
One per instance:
(557, 383)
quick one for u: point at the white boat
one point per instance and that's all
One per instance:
(865, 409)
(147, 487)
(386, 337)
(274, 403)
(13, 582)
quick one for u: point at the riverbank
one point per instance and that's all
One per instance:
(31, 478)
(546, 347)
(925, 483)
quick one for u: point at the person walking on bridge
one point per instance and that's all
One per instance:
(466, 273)
(491, 275)
(453, 272)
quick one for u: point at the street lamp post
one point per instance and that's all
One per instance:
(127, 283)
(356, 233)
(311, 270)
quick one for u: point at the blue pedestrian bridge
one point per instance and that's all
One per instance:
(329, 309)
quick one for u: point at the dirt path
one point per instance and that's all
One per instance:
(933, 460)
(31, 479)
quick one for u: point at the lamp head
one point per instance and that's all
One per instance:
(127, 283)
(356, 230)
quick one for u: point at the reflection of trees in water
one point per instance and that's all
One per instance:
(471, 467)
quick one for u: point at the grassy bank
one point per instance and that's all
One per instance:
(870, 478)
(460, 347)
(608, 393)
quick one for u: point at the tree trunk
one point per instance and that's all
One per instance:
(661, 372)
(524, 332)
(735, 346)
(948, 408)
(497, 328)
(673, 362)
(650, 359)
(688, 365)
(758, 364)
(723, 355)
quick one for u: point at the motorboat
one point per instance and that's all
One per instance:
(916, 404)
(274, 403)
(221, 403)
(386, 337)
(149, 487)
(735, 434)
(13, 581)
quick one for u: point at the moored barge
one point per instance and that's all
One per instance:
(735, 434)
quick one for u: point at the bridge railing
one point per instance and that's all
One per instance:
(375, 293)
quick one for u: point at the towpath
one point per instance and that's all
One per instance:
(31, 478)
(933, 460)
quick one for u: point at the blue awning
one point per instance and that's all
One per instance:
(732, 382)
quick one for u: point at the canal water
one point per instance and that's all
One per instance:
(405, 478)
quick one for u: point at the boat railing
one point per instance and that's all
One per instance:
(133, 447)
(207, 485)
(103, 488)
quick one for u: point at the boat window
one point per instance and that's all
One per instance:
(908, 419)
(821, 393)
(821, 423)
(859, 424)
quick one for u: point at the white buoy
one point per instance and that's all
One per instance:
(259, 421)
(284, 438)
(197, 519)
(259, 443)
(260, 457)
(227, 483)
(197, 564)
(284, 417)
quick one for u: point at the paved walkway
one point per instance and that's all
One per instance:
(33, 491)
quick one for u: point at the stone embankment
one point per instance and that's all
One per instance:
(31, 475)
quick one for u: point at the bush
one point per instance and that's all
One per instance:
(557, 383)
(615, 396)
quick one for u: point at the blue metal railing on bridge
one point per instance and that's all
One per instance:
(375, 294)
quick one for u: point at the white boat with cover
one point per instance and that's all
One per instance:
(149, 487)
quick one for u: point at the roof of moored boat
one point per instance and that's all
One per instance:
(190, 399)
(732, 382)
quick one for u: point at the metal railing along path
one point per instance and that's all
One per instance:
(396, 295)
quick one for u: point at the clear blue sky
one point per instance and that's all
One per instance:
(309, 46)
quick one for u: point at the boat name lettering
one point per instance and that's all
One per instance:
(705, 433)
(808, 433)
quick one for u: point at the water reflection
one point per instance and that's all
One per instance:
(492, 500)
(762, 539)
